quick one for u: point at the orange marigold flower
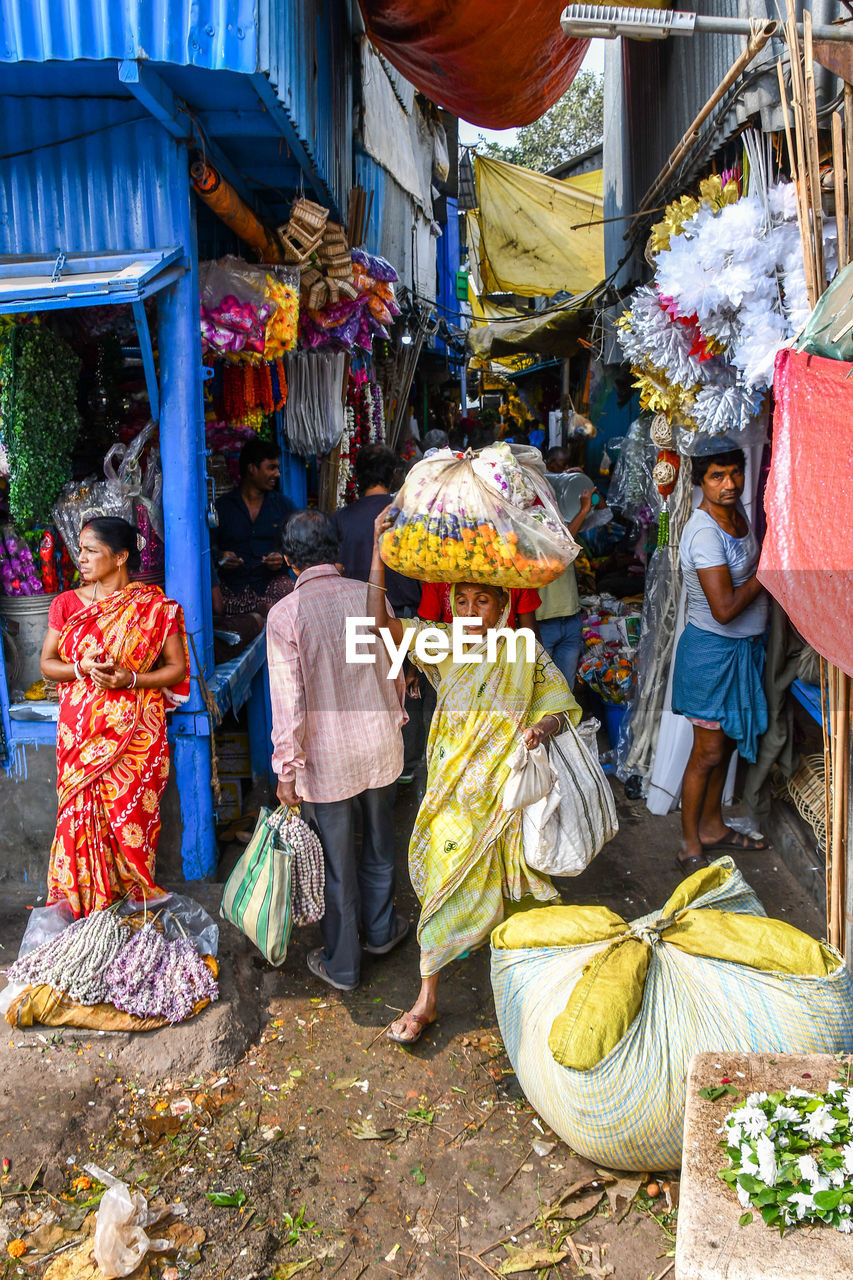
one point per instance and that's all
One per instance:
(82, 1183)
(16, 1248)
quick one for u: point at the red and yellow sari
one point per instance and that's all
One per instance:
(111, 752)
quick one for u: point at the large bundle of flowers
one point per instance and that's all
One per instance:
(485, 517)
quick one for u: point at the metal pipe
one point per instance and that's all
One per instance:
(743, 27)
(609, 22)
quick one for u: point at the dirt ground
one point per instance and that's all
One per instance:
(333, 1153)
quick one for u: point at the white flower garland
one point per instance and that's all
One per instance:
(345, 468)
(791, 1157)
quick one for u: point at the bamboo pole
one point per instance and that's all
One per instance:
(813, 148)
(840, 187)
(754, 46)
(798, 95)
(825, 718)
(840, 741)
(848, 149)
(802, 199)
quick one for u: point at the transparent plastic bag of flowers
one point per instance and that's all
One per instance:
(485, 517)
(249, 311)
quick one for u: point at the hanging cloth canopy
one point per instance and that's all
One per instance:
(526, 242)
(553, 333)
(495, 65)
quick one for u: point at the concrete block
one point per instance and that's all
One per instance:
(710, 1245)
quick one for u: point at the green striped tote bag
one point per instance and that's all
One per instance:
(258, 894)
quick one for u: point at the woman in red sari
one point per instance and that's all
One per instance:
(118, 651)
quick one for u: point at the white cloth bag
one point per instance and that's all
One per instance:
(530, 779)
(564, 830)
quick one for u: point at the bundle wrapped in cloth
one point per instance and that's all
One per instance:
(485, 517)
(600, 1017)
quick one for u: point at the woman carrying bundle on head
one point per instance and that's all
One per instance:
(465, 856)
(118, 651)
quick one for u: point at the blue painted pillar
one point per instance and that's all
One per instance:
(182, 449)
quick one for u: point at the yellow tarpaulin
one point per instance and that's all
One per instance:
(526, 244)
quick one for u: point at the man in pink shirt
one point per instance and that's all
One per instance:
(337, 744)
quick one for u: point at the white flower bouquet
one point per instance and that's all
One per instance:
(791, 1157)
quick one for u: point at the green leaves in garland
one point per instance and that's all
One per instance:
(38, 419)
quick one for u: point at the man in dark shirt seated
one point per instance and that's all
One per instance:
(248, 557)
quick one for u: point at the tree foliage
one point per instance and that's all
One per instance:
(572, 125)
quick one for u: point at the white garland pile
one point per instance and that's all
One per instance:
(75, 962)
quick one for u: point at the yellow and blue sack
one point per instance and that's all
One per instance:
(601, 1017)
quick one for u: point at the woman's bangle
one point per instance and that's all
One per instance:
(78, 674)
(376, 585)
(134, 679)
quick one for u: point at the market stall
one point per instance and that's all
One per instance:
(728, 291)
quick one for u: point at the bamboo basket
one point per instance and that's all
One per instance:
(807, 789)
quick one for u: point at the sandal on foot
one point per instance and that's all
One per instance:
(695, 862)
(318, 968)
(739, 842)
(420, 1025)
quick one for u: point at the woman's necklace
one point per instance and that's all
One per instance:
(94, 594)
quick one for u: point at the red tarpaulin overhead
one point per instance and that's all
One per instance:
(807, 559)
(496, 64)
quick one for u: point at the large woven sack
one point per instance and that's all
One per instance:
(600, 1017)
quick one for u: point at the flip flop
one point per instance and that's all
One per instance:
(318, 968)
(739, 843)
(421, 1025)
(694, 863)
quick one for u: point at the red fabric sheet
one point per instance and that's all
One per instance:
(497, 65)
(807, 558)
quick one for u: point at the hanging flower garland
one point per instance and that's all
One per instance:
(40, 422)
(364, 423)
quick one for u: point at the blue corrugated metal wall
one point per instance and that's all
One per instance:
(306, 49)
(110, 189)
(371, 176)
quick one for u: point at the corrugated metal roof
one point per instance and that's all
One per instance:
(303, 46)
(117, 187)
(216, 34)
